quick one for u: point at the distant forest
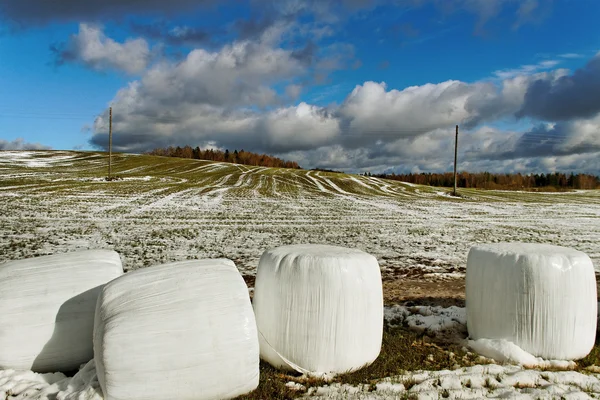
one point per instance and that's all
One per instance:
(237, 157)
(486, 180)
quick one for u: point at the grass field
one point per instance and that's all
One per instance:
(167, 209)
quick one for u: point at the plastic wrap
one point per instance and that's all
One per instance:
(47, 309)
(319, 309)
(540, 297)
(184, 330)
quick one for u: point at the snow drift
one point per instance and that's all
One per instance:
(47, 309)
(319, 309)
(183, 330)
(540, 297)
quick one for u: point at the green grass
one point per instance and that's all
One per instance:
(402, 350)
(71, 174)
(593, 358)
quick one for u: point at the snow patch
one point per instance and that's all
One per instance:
(477, 382)
(17, 385)
(505, 351)
(437, 321)
(41, 159)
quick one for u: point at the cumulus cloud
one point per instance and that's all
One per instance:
(238, 74)
(546, 144)
(239, 97)
(212, 96)
(569, 96)
(20, 144)
(371, 114)
(493, 101)
(92, 48)
(281, 130)
(170, 105)
(297, 128)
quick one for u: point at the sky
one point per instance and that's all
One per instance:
(351, 85)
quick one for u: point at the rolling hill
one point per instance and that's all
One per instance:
(167, 209)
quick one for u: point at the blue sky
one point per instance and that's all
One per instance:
(348, 84)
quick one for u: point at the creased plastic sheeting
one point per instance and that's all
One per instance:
(540, 297)
(47, 309)
(319, 309)
(183, 330)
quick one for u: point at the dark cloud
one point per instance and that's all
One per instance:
(175, 36)
(38, 12)
(307, 54)
(253, 28)
(565, 97)
(35, 12)
(563, 139)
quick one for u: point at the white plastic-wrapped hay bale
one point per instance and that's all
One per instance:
(47, 308)
(540, 297)
(319, 308)
(184, 330)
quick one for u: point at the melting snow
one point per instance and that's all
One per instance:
(17, 385)
(480, 381)
(34, 159)
(505, 351)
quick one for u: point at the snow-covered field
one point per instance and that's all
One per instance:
(168, 209)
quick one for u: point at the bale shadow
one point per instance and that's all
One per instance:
(71, 343)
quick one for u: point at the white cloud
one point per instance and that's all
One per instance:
(93, 49)
(571, 55)
(526, 69)
(372, 112)
(298, 128)
(238, 75)
(237, 97)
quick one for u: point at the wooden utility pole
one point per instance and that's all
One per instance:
(455, 156)
(109, 142)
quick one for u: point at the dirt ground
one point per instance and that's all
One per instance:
(444, 293)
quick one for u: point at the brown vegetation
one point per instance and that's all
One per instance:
(486, 180)
(237, 157)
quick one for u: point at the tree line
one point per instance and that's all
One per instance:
(486, 180)
(236, 157)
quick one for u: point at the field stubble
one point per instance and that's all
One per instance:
(167, 209)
